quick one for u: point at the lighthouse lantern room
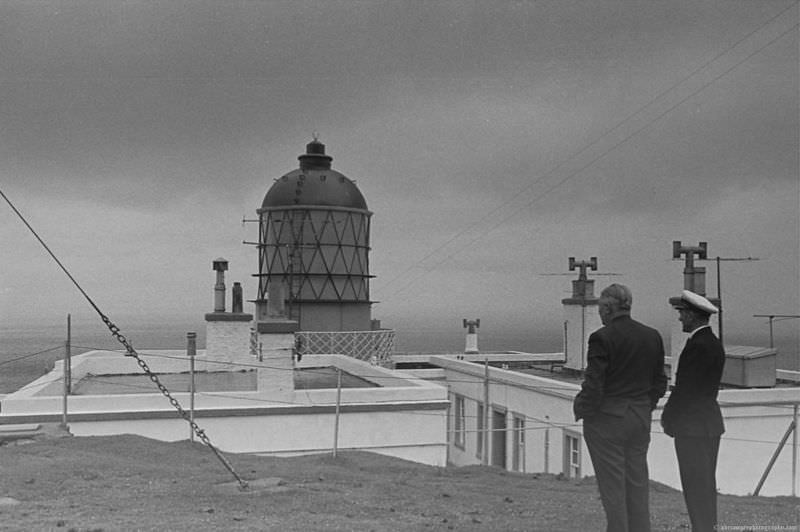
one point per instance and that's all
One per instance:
(314, 248)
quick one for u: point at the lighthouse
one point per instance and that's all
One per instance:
(313, 248)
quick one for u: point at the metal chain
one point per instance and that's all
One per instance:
(130, 351)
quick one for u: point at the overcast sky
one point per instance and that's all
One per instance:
(492, 141)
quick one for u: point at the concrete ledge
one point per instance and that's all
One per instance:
(426, 374)
(399, 406)
(759, 397)
(28, 427)
(491, 356)
(788, 375)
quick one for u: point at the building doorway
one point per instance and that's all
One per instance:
(572, 454)
(499, 438)
(518, 444)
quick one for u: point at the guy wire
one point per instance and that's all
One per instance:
(130, 350)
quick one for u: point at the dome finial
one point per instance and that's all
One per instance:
(315, 155)
(315, 135)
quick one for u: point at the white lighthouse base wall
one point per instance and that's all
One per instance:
(276, 366)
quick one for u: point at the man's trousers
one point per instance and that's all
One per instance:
(618, 447)
(697, 462)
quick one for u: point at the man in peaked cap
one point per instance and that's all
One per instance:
(692, 415)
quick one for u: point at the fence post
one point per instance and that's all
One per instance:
(67, 369)
(547, 445)
(485, 436)
(191, 352)
(447, 427)
(338, 403)
(794, 451)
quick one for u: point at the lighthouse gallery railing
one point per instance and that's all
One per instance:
(374, 347)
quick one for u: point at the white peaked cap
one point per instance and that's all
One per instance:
(694, 301)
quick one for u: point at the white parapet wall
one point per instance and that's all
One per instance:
(107, 363)
(402, 416)
(756, 420)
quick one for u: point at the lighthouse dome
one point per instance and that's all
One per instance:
(314, 183)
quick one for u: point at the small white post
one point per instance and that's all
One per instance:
(447, 430)
(338, 403)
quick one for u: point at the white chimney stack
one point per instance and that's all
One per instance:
(472, 335)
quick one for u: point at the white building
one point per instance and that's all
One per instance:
(523, 422)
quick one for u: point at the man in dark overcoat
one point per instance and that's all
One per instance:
(623, 381)
(692, 415)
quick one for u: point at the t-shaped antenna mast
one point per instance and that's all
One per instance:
(583, 287)
(471, 325)
(694, 277)
(583, 266)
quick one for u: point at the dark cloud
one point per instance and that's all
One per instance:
(483, 134)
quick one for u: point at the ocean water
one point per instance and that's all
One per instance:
(29, 351)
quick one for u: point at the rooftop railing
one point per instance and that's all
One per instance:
(374, 347)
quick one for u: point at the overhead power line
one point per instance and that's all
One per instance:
(704, 67)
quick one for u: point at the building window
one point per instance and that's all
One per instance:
(459, 424)
(479, 433)
(572, 454)
(518, 454)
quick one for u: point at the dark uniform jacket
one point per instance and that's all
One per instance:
(625, 369)
(692, 408)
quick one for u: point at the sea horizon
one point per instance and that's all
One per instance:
(28, 350)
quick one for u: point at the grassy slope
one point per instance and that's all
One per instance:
(133, 483)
